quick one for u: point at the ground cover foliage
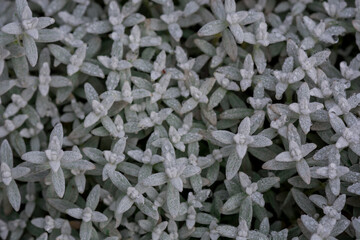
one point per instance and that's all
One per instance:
(179, 119)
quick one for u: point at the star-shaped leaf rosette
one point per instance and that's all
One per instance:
(295, 157)
(239, 143)
(54, 159)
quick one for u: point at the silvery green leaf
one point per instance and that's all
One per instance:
(140, 93)
(236, 113)
(212, 28)
(59, 81)
(246, 210)
(141, 83)
(133, 19)
(320, 57)
(303, 202)
(131, 127)
(355, 188)
(181, 55)
(190, 171)
(260, 141)
(13, 28)
(276, 165)
(216, 97)
(92, 70)
(54, 7)
(265, 184)
(99, 27)
(30, 49)
(94, 154)
(19, 120)
(238, 33)
(19, 172)
(50, 35)
(264, 154)
(6, 38)
(60, 53)
(233, 164)
(85, 230)
(142, 65)
(223, 136)
(188, 105)
(124, 205)
(79, 164)
(157, 24)
(299, 183)
(13, 195)
(191, 137)
(91, 93)
(102, 131)
(309, 223)
(130, 169)
(229, 44)
(233, 203)
(6, 85)
(175, 31)
(58, 132)
(147, 209)
(120, 181)
(172, 200)
(218, 9)
(156, 179)
(58, 181)
(34, 157)
(205, 46)
(93, 198)
(227, 231)
(21, 66)
(6, 155)
(259, 59)
(308, 43)
(340, 227)
(190, 8)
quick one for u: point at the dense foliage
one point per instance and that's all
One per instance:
(179, 119)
